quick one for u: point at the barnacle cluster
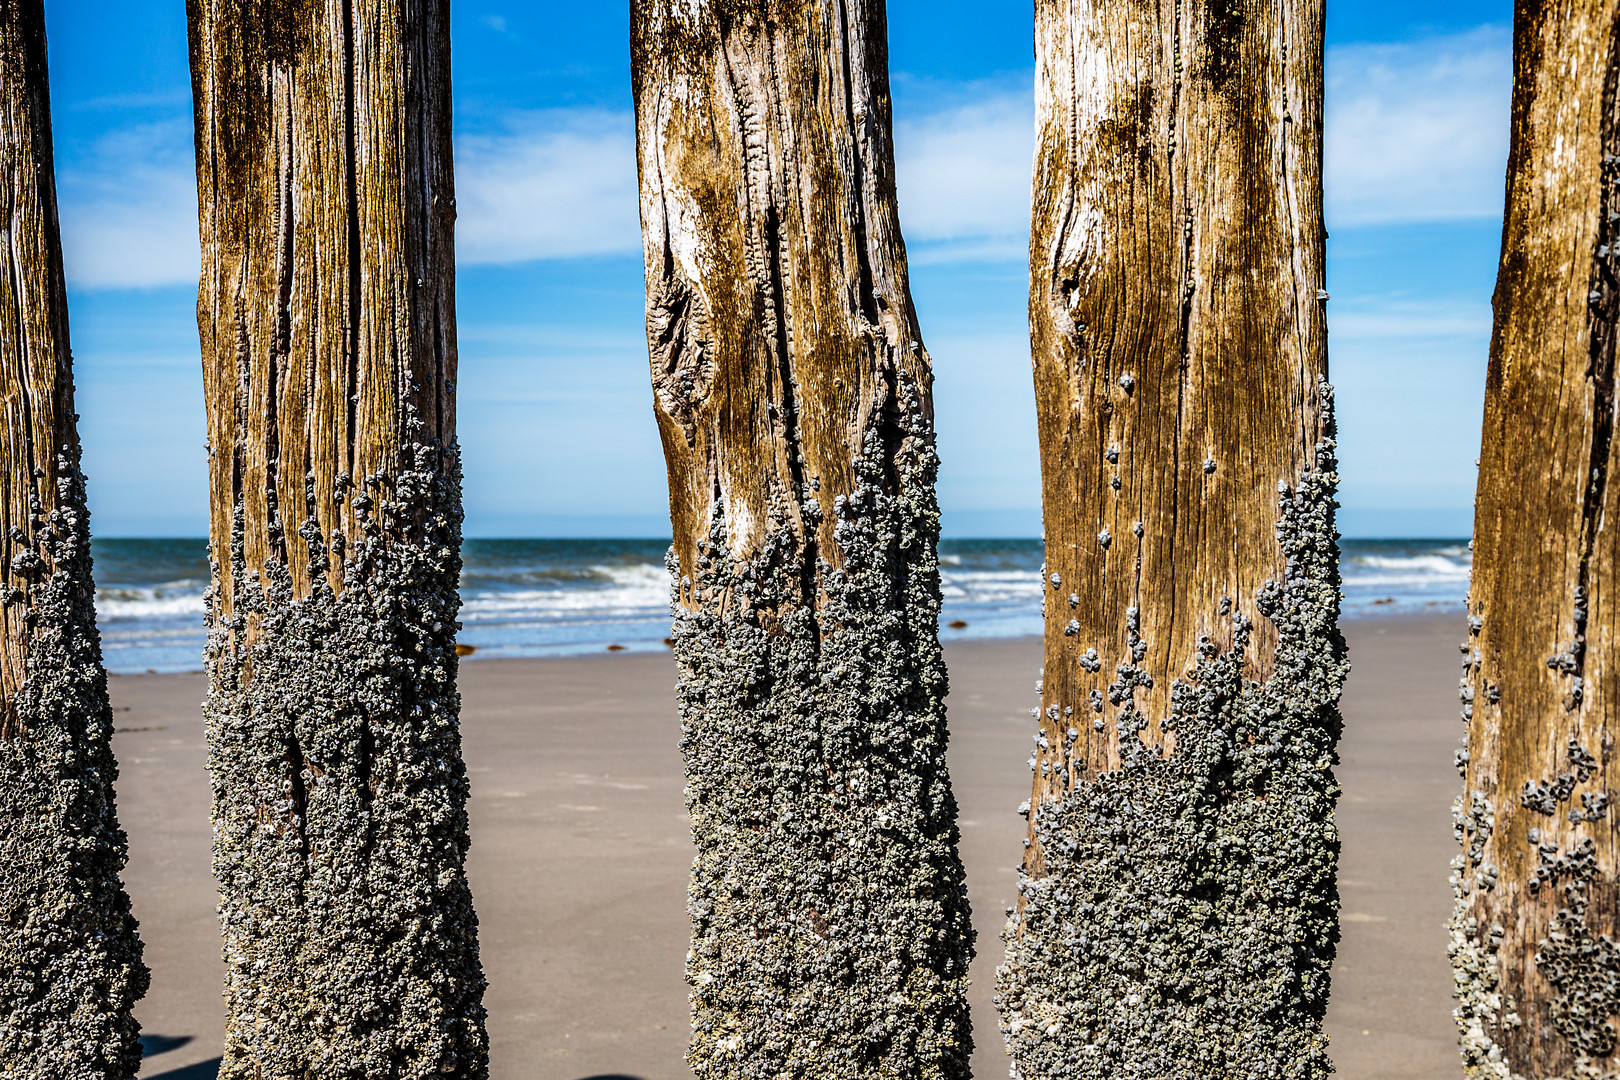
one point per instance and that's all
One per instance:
(1182, 917)
(1582, 965)
(830, 924)
(70, 959)
(340, 828)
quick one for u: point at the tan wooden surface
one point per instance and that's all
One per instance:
(1537, 895)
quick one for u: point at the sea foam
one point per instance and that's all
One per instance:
(560, 597)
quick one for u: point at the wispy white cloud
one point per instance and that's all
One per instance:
(129, 210)
(1418, 131)
(1415, 132)
(1372, 319)
(554, 184)
(562, 183)
(962, 175)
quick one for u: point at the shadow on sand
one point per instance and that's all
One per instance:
(203, 1070)
(208, 1070)
(153, 1045)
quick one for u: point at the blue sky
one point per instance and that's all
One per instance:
(556, 422)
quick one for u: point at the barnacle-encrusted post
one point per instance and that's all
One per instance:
(1533, 944)
(70, 960)
(830, 926)
(327, 317)
(1176, 912)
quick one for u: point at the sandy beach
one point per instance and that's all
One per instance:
(580, 854)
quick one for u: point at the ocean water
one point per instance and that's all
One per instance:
(560, 597)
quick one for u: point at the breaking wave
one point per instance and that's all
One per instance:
(556, 597)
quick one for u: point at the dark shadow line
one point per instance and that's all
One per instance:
(153, 1045)
(203, 1070)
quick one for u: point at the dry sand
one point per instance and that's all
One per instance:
(580, 853)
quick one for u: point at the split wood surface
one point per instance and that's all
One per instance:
(327, 304)
(779, 310)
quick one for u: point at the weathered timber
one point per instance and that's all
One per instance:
(1176, 911)
(1532, 940)
(70, 958)
(830, 924)
(327, 319)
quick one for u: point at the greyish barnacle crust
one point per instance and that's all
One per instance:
(1187, 918)
(830, 924)
(1580, 961)
(340, 827)
(70, 959)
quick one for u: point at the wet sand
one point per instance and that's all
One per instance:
(580, 854)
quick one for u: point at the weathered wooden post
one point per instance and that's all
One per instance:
(70, 959)
(1532, 941)
(327, 317)
(830, 925)
(1177, 910)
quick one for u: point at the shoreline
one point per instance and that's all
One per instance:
(607, 651)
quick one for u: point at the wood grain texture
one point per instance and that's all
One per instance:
(70, 959)
(1176, 243)
(327, 317)
(830, 928)
(1177, 323)
(327, 303)
(779, 309)
(1537, 900)
(36, 363)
